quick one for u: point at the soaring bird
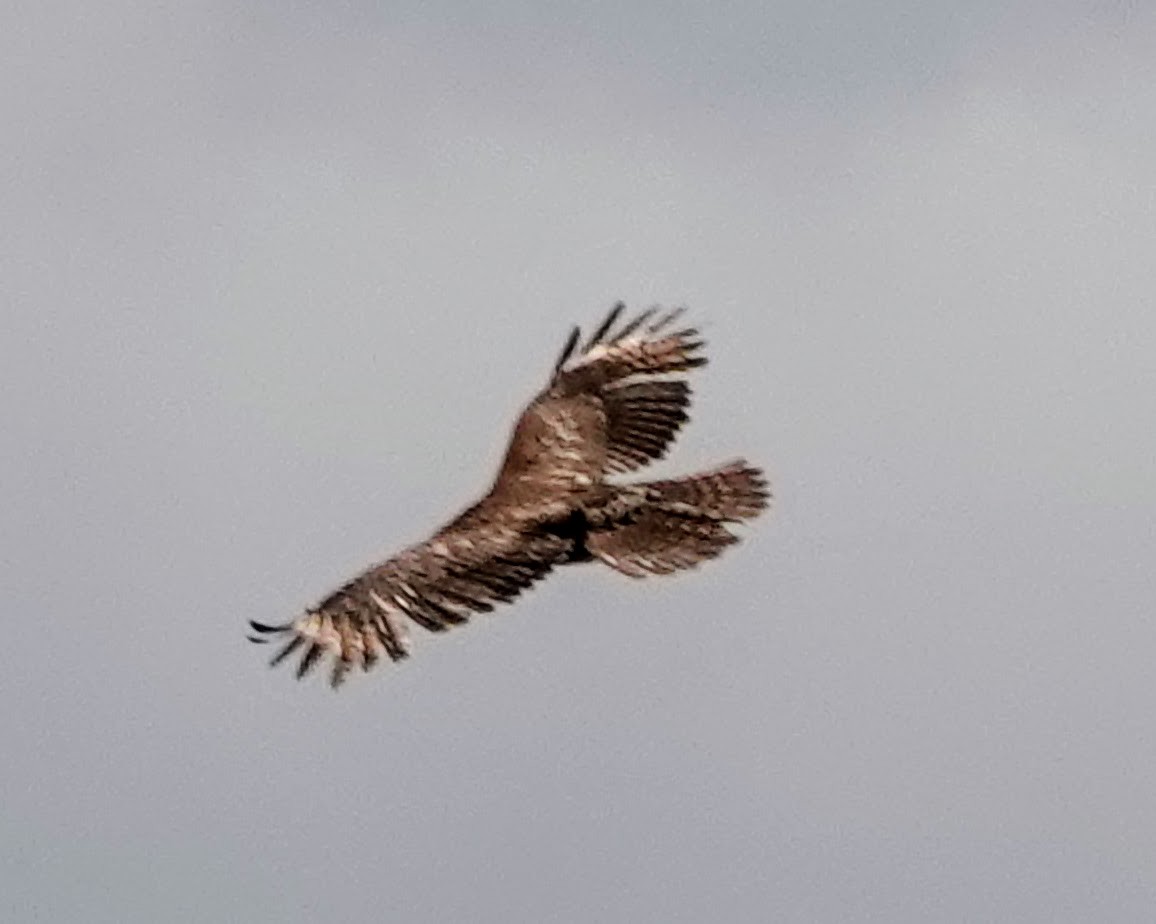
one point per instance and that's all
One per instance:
(613, 404)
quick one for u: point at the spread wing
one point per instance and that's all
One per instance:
(613, 404)
(474, 562)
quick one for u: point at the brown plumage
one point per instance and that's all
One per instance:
(613, 405)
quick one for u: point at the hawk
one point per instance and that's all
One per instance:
(613, 404)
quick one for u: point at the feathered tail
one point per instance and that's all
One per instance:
(679, 523)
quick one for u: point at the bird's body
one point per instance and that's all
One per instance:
(612, 408)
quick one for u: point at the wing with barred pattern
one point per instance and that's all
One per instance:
(614, 404)
(473, 563)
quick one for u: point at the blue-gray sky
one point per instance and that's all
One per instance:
(277, 277)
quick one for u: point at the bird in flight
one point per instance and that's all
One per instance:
(614, 403)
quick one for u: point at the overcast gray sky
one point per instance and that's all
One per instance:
(277, 277)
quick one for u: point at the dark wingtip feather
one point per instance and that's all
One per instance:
(294, 643)
(605, 326)
(259, 632)
(634, 324)
(568, 348)
(666, 319)
(309, 659)
(265, 629)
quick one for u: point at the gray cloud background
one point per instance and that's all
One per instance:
(276, 279)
